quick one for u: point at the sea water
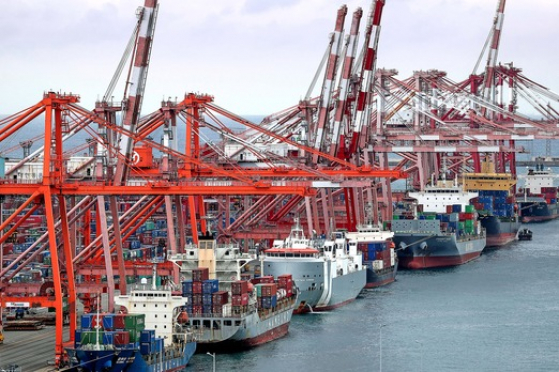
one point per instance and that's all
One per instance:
(497, 313)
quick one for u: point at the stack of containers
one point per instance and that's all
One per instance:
(239, 296)
(199, 275)
(149, 344)
(209, 287)
(285, 281)
(219, 299)
(550, 194)
(267, 295)
(187, 287)
(120, 330)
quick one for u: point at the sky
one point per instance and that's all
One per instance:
(256, 57)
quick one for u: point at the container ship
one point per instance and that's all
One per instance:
(495, 205)
(251, 313)
(328, 274)
(445, 233)
(538, 199)
(148, 337)
(379, 256)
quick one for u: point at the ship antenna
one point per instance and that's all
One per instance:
(153, 285)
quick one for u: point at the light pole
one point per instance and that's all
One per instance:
(213, 356)
(380, 345)
(421, 343)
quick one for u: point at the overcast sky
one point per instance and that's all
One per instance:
(253, 56)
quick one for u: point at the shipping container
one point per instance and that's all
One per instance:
(220, 298)
(200, 274)
(210, 286)
(240, 299)
(197, 287)
(268, 302)
(187, 287)
(239, 287)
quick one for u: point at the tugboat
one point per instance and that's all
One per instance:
(525, 234)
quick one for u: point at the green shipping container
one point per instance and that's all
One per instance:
(135, 322)
(92, 337)
(135, 335)
(470, 209)
(258, 290)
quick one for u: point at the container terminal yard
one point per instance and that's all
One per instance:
(150, 185)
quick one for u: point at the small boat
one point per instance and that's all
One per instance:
(525, 234)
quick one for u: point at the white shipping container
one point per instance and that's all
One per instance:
(378, 265)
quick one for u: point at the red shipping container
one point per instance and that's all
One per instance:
(267, 279)
(285, 276)
(285, 282)
(197, 300)
(220, 298)
(217, 309)
(240, 300)
(200, 274)
(239, 287)
(449, 209)
(269, 289)
(121, 338)
(197, 309)
(118, 321)
(197, 287)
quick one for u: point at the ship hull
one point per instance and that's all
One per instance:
(377, 278)
(226, 334)
(538, 211)
(308, 276)
(130, 360)
(345, 289)
(427, 251)
(500, 231)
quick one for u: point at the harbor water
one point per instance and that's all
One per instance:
(497, 313)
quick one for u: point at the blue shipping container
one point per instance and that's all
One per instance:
(210, 286)
(108, 322)
(147, 335)
(186, 287)
(145, 348)
(87, 321)
(207, 299)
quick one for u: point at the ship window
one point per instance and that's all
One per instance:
(144, 305)
(156, 315)
(135, 305)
